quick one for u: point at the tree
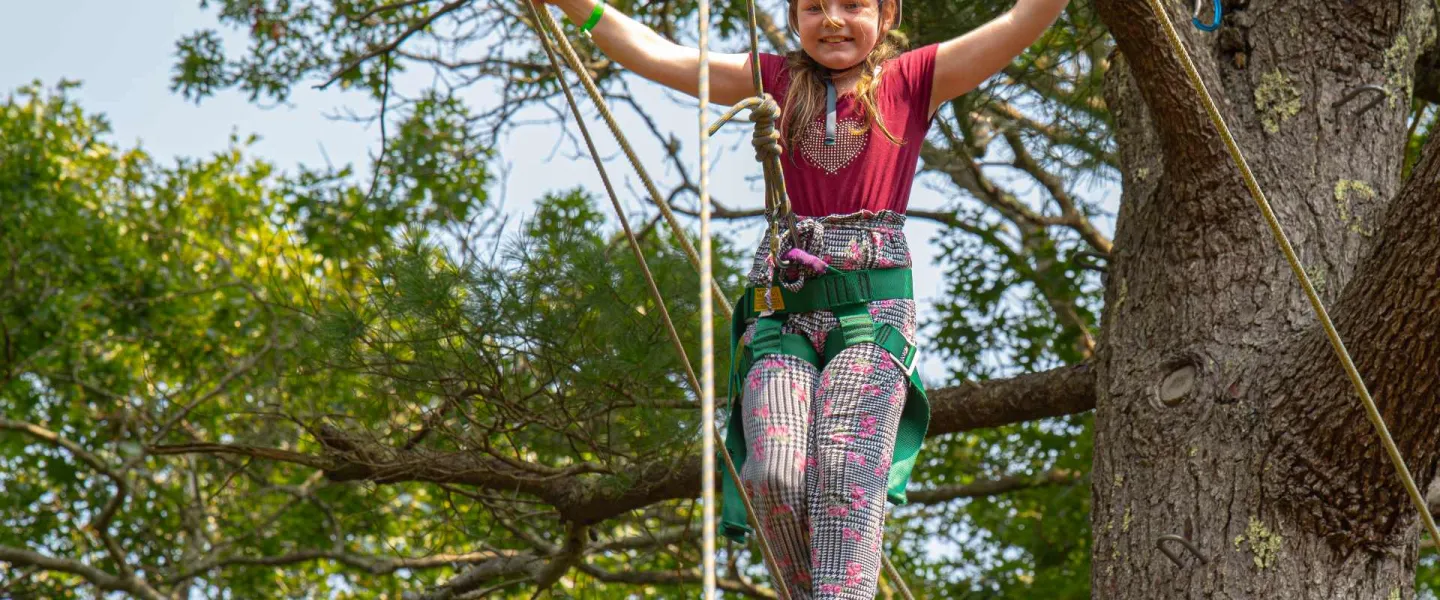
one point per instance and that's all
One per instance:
(152, 312)
(1219, 414)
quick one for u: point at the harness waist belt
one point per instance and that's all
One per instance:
(835, 288)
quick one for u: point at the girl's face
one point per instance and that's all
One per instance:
(839, 33)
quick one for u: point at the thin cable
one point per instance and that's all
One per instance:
(707, 318)
(1336, 343)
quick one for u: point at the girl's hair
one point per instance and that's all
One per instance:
(805, 98)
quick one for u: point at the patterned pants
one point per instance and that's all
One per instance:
(821, 441)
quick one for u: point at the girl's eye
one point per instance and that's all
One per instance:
(853, 6)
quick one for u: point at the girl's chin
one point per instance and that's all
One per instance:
(837, 58)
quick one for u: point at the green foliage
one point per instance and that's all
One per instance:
(1423, 117)
(1427, 575)
(560, 328)
(433, 172)
(147, 307)
(1000, 315)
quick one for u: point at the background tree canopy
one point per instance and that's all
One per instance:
(221, 380)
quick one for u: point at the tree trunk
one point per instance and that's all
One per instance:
(1222, 417)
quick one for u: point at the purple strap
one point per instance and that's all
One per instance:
(815, 263)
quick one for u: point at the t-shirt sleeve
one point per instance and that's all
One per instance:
(916, 71)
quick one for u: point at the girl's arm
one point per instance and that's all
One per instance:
(639, 49)
(961, 64)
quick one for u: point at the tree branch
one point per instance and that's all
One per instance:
(1069, 212)
(273, 454)
(55, 439)
(1053, 393)
(395, 43)
(377, 565)
(687, 577)
(777, 35)
(994, 487)
(1189, 145)
(105, 581)
(101, 524)
(586, 500)
(1389, 317)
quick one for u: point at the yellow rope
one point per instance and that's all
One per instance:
(894, 575)
(1335, 342)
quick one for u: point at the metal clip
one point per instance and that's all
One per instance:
(1195, 18)
(1380, 94)
(779, 257)
(1170, 552)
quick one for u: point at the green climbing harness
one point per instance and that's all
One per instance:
(848, 295)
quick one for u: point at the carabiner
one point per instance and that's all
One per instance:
(1195, 19)
(794, 231)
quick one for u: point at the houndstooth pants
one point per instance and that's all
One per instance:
(821, 441)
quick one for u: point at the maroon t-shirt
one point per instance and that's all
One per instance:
(864, 172)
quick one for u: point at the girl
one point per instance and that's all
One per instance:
(822, 398)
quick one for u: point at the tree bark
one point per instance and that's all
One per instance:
(1221, 417)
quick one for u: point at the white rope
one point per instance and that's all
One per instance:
(707, 319)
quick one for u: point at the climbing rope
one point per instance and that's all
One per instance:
(707, 325)
(1336, 343)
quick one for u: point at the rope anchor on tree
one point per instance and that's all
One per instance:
(1195, 17)
(1380, 94)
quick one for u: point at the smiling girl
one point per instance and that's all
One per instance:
(827, 415)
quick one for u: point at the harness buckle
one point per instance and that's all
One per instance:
(910, 354)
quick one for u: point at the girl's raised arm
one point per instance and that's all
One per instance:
(641, 50)
(962, 63)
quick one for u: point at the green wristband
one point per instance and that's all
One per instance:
(594, 17)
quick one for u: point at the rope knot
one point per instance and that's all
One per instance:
(766, 139)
